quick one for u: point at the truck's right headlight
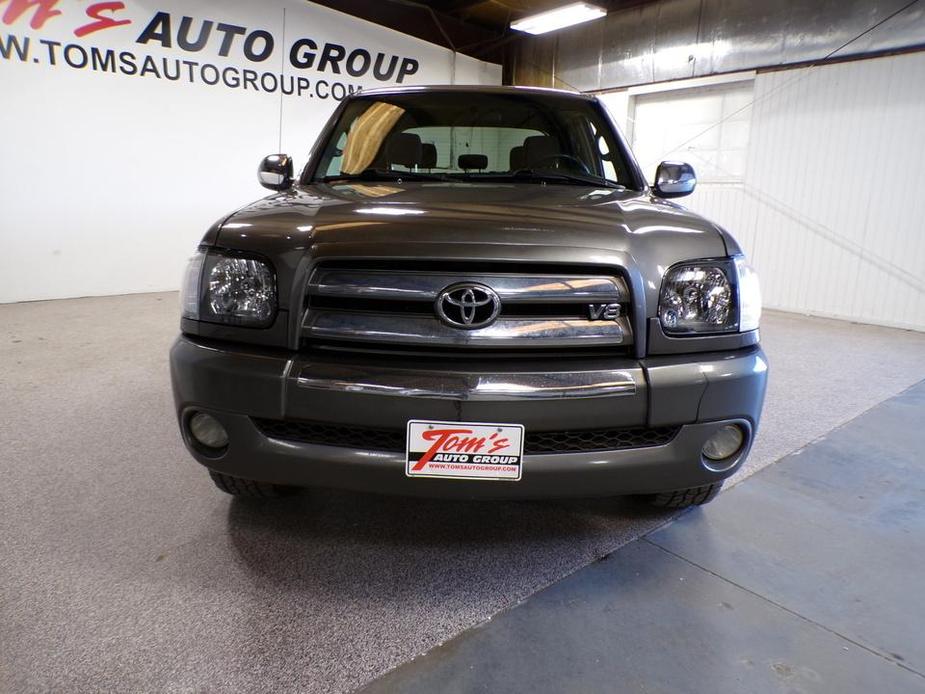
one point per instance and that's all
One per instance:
(226, 287)
(709, 297)
(189, 292)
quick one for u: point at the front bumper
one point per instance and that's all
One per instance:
(699, 393)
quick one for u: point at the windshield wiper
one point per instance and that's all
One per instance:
(385, 175)
(563, 177)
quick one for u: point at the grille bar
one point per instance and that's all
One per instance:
(535, 442)
(424, 330)
(424, 286)
(555, 309)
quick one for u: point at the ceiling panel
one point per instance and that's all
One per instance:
(476, 27)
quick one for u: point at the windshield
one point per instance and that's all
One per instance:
(474, 136)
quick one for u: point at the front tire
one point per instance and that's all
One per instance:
(237, 486)
(683, 498)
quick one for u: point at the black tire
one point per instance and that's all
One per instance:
(237, 486)
(682, 498)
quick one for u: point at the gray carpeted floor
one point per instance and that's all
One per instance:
(124, 569)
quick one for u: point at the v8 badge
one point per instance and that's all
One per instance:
(603, 311)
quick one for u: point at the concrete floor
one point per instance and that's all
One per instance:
(805, 579)
(124, 569)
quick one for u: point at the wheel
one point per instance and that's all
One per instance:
(682, 498)
(238, 486)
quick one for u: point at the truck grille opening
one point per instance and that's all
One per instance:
(535, 443)
(389, 305)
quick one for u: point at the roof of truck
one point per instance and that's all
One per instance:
(475, 88)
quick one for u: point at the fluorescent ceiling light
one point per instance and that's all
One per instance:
(559, 18)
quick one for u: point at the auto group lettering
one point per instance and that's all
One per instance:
(305, 57)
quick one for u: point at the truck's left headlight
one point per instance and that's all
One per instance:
(709, 297)
(749, 295)
(229, 288)
(699, 298)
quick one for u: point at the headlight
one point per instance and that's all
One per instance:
(189, 292)
(222, 288)
(710, 296)
(749, 295)
(698, 298)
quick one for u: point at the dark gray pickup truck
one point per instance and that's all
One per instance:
(470, 292)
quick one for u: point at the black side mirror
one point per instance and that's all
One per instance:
(674, 179)
(275, 172)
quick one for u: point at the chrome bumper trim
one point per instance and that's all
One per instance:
(425, 330)
(467, 386)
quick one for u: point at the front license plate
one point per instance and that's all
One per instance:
(464, 451)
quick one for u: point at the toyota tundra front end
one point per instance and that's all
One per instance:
(470, 292)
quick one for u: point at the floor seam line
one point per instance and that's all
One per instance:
(784, 608)
(822, 437)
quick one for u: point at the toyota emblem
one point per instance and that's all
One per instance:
(468, 306)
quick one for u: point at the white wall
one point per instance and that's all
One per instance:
(829, 207)
(109, 180)
(708, 126)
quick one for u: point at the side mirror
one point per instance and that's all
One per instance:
(275, 172)
(674, 179)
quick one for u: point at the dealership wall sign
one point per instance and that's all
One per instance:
(322, 69)
(138, 122)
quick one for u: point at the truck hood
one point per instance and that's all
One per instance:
(470, 214)
(520, 222)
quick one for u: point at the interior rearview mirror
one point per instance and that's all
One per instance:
(275, 172)
(674, 179)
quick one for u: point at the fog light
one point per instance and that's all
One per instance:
(724, 443)
(207, 430)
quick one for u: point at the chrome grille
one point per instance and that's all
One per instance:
(539, 308)
(424, 286)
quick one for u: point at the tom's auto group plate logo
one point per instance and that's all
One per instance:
(118, 38)
(462, 450)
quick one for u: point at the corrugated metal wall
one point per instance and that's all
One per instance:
(677, 39)
(831, 210)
